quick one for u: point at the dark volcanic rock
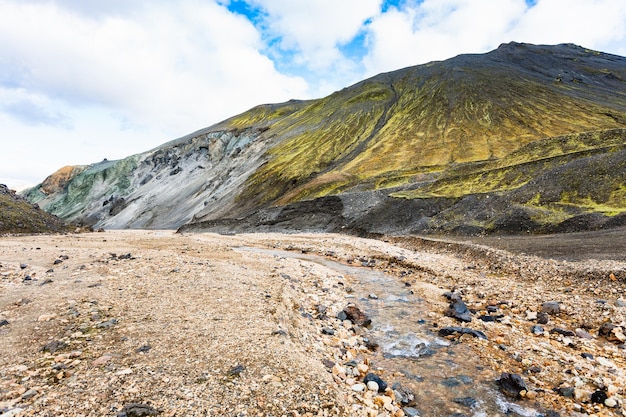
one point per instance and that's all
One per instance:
(563, 332)
(459, 311)
(598, 397)
(511, 384)
(447, 331)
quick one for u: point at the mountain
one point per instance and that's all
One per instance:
(17, 215)
(523, 138)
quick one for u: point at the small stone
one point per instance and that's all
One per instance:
(581, 395)
(372, 296)
(536, 329)
(620, 302)
(599, 397)
(531, 315)
(143, 349)
(23, 266)
(4, 323)
(567, 392)
(328, 331)
(449, 331)
(46, 317)
(610, 402)
(236, 370)
(362, 368)
(458, 310)
(551, 307)
(543, 318)
(102, 360)
(106, 324)
(54, 346)
(372, 386)
(411, 412)
(563, 332)
(356, 316)
(358, 387)
(29, 394)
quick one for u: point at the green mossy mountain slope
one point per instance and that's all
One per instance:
(386, 130)
(523, 138)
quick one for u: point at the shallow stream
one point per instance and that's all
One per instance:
(446, 377)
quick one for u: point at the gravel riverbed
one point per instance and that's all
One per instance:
(139, 323)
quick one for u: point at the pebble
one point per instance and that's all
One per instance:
(29, 394)
(102, 360)
(551, 307)
(511, 384)
(4, 323)
(358, 387)
(372, 386)
(536, 329)
(543, 318)
(46, 317)
(411, 412)
(610, 402)
(458, 310)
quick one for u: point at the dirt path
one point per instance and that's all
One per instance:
(187, 325)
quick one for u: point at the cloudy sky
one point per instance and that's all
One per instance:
(83, 80)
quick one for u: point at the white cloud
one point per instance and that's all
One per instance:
(182, 66)
(597, 24)
(431, 30)
(314, 29)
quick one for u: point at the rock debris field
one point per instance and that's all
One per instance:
(153, 323)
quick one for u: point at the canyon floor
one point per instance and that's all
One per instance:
(140, 323)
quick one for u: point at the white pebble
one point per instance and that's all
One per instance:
(610, 402)
(372, 386)
(358, 387)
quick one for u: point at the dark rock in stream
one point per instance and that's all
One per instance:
(511, 384)
(404, 396)
(448, 331)
(356, 316)
(468, 402)
(459, 311)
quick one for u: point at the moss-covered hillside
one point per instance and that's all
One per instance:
(17, 215)
(415, 122)
(523, 138)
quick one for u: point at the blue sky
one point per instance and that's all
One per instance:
(85, 80)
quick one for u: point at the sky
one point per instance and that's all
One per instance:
(84, 80)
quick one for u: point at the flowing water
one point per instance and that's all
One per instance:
(446, 377)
